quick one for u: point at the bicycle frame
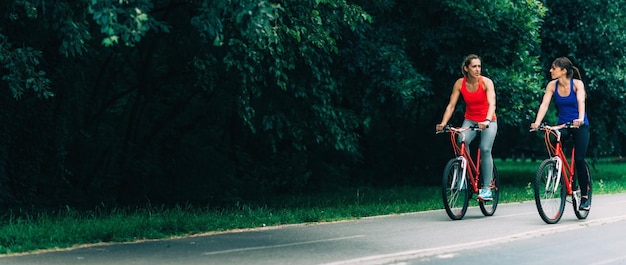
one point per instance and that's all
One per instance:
(555, 151)
(460, 150)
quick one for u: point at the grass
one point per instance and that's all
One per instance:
(68, 228)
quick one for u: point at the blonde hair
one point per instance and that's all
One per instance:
(467, 61)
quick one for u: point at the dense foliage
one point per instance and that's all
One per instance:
(128, 101)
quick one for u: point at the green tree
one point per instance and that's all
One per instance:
(219, 101)
(226, 103)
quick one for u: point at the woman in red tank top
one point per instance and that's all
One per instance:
(479, 95)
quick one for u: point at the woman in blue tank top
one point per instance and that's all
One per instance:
(569, 96)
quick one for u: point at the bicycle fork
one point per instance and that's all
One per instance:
(554, 179)
(463, 174)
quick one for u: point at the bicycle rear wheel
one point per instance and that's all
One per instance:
(549, 192)
(455, 191)
(576, 200)
(488, 208)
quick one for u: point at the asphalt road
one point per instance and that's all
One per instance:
(514, 235)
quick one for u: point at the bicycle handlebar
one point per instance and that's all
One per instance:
(449, 127)
(545, 126)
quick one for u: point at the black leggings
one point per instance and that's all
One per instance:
(581, 143)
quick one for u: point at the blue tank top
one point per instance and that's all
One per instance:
(567, 106)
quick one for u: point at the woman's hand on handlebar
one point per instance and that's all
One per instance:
(439, 127)
(483, 125)
(578, 122)
(534, 126)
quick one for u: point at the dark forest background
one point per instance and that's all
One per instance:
(120, 102)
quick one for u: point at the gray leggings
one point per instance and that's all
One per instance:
(487, 137)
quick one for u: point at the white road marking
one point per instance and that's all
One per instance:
(609, 261)
(281, 245)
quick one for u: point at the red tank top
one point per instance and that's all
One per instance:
(476, 105)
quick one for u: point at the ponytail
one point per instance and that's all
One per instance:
(565, 63)
(580, 77)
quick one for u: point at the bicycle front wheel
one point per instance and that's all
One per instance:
(455, 191)
(488, 208)
(550, 192)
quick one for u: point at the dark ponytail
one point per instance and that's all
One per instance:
(565, 63)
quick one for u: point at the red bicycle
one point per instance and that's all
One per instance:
(555, 178)
(461, 178)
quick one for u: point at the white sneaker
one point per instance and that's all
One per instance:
(485, 195)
